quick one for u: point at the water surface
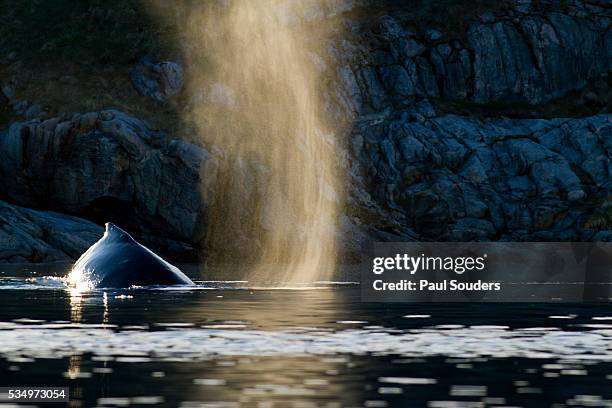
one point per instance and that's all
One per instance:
(237, 344)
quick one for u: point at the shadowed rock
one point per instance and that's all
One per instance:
(506, 57)
(98, 161)
(458, 178)
(157, 80)
(42, 236)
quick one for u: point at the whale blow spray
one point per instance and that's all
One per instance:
(255, 78)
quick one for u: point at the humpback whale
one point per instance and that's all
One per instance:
(118, 261)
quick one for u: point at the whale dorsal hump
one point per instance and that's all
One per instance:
(115, 233)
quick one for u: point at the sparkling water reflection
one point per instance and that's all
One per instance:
(226, 344)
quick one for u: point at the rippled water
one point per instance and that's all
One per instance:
(228, 344)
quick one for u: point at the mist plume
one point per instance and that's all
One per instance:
(255, 79)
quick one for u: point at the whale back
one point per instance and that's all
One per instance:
(118, 261)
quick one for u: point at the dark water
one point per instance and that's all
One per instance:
(235, 346)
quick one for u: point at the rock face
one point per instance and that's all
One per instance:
(43, 236)
(20, 107)
(528, 59)
(413, 173)
(458, 178)
(157, 80)
(519, 55)
(450, 177)
(111, 165)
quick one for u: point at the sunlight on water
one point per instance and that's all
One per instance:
(42, 282)
(76, 309)
(38, 338)
(225, 344)
(77, 280)
(255, 77)
(53, 340)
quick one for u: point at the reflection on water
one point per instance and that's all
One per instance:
(183, 340)
(228, 345)
(76, 298)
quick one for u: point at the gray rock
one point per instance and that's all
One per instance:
(603, 236)
(390, 27)
(157, 80)
(33, 111)
(412, 48)
(43, 236)
(459, 178)
(457, 75)
(397, 81)
(427, 83)
(401, 44)
(503, 65)
(374, 91)
(348, 92)
(528, 61)
(576, 195)
(510, 56)
(590, 98)
(20, 106)
(585, 144)
(433, 35)
(423, 108)
(8, 91)
(108, 162)
(523, 6)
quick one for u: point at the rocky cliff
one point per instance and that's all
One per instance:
(523, 54)
(43, 236)
(448, 177)
(423, 160)
(458, 178)
(108, 165)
